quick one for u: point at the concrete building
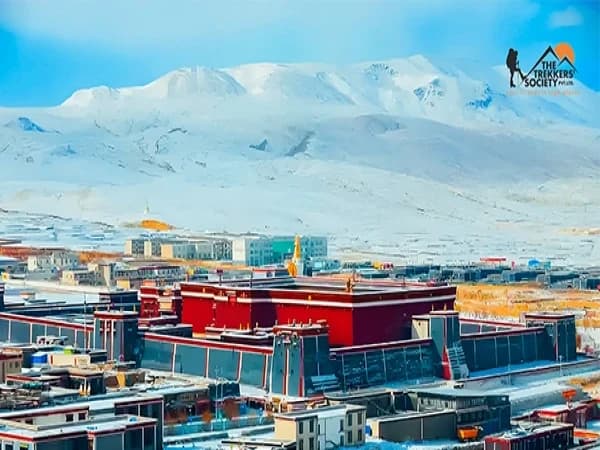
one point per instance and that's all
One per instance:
(204, 250)
(59, 259)
(179, 250)
(415, 426)
(221, 249)
(312, 247)
(134, 247)
(132, 278)
(245, 443)
(472, 407)
(323, 428)
(152, 247)
(533, 435)
(7, 263)
(100, 433)
(252, 250)
(10, 362)
(80, 277)
(104, 272)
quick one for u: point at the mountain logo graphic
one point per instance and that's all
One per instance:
(555, 68)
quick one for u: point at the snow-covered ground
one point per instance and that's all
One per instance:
(402, 158)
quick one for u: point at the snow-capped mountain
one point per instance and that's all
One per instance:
(398, 139)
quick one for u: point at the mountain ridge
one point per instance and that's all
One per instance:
(380, 147)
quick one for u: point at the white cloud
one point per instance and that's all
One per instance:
(569, 17)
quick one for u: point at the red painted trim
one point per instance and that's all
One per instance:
(206, 343)
(497, 323)
(446, 369)
(137, 403)
(123, 315)
(265, 370)
(301, 374)
(207, 363)
(382, 346)
(264, 291)
(239, 367)
(549, 317)
(59, 436)
(50, 322)
(35, 413)
(491, 334)
(540, 370)
(127, 427)
(286, 372)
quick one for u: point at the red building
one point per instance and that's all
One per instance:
(575, 414)
(362, 313)
(157, 300)
(534, 436)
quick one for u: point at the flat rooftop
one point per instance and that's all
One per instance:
(325, 411)
(311, 284)
(97, 425)
(524, 428)
(408, 414)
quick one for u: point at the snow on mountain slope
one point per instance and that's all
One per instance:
(381, 149)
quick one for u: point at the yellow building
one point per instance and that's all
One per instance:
(323, 428)
(10, 362)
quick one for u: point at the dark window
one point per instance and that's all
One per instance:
(8, 447)
(360, 436)
(301, 444)
(69, 417)
(81, 416)
(349, 420)
(342, 440)
(349, 437)
(311, 444)
(359, 419)
(149, 438)
(300, 427)
(311, 427)
(341, 425)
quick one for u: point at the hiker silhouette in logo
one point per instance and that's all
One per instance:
(513, 65)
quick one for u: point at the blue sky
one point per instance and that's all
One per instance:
(49, 48)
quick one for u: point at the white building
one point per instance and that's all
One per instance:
(323, 428)
(252, 250)
(178, 250)
(134, 247)
(204, 250)
(55, 260)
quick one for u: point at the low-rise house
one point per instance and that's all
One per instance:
(78, 277)
(323, 428)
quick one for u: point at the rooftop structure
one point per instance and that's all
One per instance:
(358, 313)
(533, 435)
(125, 432)
(341, 425)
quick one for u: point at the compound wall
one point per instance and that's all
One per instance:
(367, 366)
(490, 350)
(20, 329)
(206, 359)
